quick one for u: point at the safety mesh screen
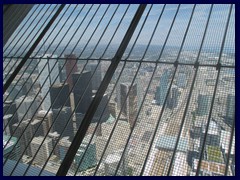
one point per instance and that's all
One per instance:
(122, 90)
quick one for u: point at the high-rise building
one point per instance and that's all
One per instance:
(59, 95)
(71, 68)
(55, 137)
(97, 114)
(61, 117)
(163, 87)
(11, 147)
(172, 100)
(36, 128)
(63, 146)
(33, 129)
(125, 79)
(25, 137)
(46, 120)
(15, 90)
(182, 80)
(79, 118)
(7, 118)
(49, 75)
(99, 111)
(26, 106)
(112, 108)
(130, 107)
(26, 83)
(213, 135)
(20, 87)
(61, 76)
(140, 91)
(204, 103)
(97, 76)
(230, 108)
(81, 82)
(44, 150)
(9, 108)
(90, 155)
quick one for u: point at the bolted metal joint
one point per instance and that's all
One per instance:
(218, 67)
(196, 65)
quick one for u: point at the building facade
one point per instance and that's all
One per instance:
(128, 103)
(49, 75)
(71, 68)
(161, 91)
(81, 82)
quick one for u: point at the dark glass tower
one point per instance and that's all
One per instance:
(59, 95)
(97, 76)
(61, 120)
(130, 107)
(161, 91)
(81, 82)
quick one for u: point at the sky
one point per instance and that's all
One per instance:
(94, 24)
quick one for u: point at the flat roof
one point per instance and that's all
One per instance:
(168, 143)
(180, 165)
(214, 154)
(146, 136)
(112, 158)
(210, 166)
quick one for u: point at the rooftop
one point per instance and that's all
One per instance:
(168, 143)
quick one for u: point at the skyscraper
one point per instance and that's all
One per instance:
(15, 90)
(26, 83)
(71, 68)
(90, 155)
(81, 81)
(163, 87)
(61, 76)
(204, 103)
(140, 91)
(11, 147)
(112, 108)
(230, 108)
(59, 95)
(20, 87)
(46, 120)
(44, 151)
(50, 74)
(63, 146)
(61, 117)
(28, 132)
(55, 138)
(130, 108)
(172, 100)
(9, 108)
(97, 77)
(181, 80)
(27, 106)
(100, 109)
(6, 119)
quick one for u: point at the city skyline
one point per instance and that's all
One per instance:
(199, 20)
